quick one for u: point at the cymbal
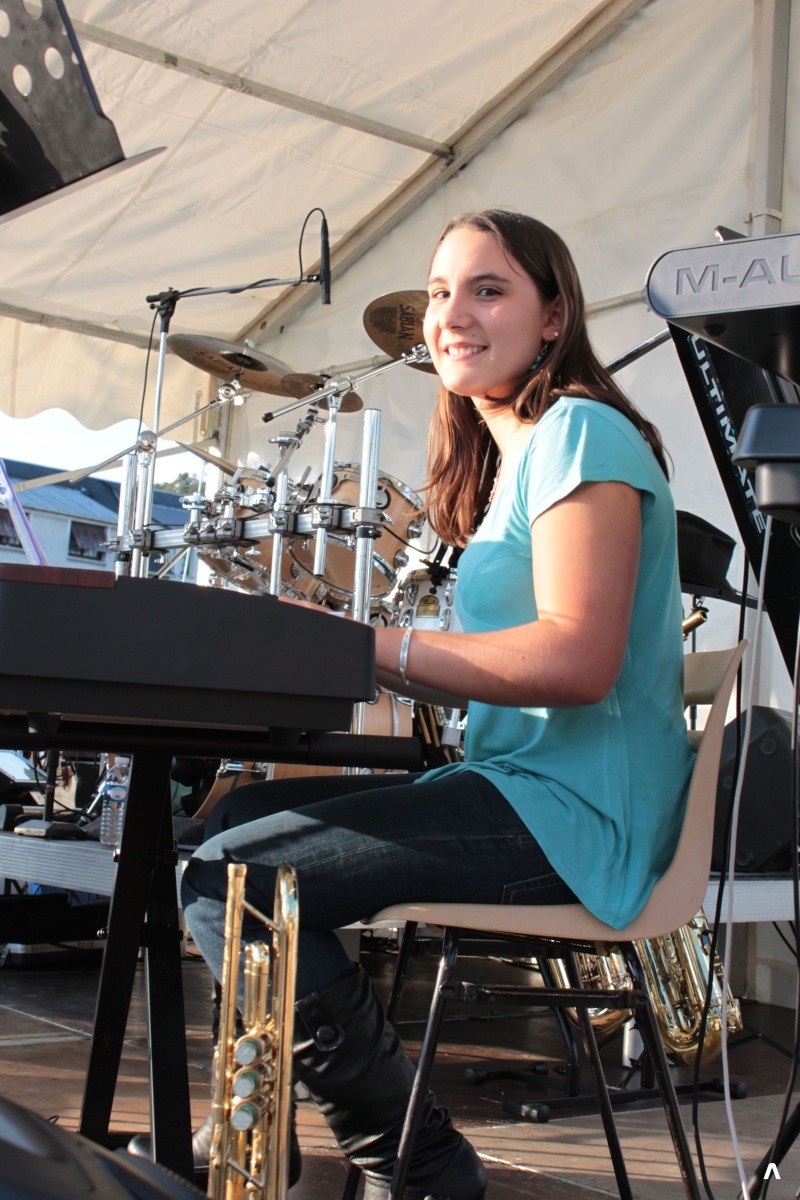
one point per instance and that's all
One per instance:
(394, 322)
(303, 384)
(227, 360)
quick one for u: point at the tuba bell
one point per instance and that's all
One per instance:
(676, 968)
(252, 1077)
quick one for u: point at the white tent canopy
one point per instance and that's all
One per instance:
(631, 126)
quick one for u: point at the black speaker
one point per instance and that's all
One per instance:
(40, 1161)
(766, 821)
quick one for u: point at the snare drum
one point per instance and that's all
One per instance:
(403, 520)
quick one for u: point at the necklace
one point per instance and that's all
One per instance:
(525, 425)
(494, 483)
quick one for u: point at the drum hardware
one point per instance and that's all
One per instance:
(238, 516)
(144, 464)
(304, 385)
(334, 391)
(325, 485)
(424, 599)
(133, 540)
(452, 725)
(281, 528)
(169, 563)
(400, 512)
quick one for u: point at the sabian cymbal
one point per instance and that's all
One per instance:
(394, 323)
(227, 360)
(303, 384)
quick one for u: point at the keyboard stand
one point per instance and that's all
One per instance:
(144, 912)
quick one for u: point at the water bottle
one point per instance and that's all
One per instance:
(115, 795)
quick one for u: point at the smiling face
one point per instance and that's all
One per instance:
(486, 320)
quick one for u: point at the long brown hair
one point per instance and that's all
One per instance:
(462, 456)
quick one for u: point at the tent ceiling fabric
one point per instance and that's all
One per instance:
(265, 111)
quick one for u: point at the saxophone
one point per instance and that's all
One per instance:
(252, 1084)
(676, 970)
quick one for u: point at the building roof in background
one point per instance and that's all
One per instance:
(89, 499)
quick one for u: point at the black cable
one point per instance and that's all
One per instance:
(796, 897)
(200, 291)
(726, 843)
(302, 232)
(791, 948)
(146, 368)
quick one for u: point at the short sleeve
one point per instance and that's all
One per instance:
(581, 441)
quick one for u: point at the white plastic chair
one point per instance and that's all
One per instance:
(561, 931)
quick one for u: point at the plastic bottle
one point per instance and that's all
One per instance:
(115, 795)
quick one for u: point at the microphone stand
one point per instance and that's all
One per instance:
(165, 303)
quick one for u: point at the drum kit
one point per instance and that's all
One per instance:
(348, 539)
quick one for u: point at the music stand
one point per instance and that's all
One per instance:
(53, 132)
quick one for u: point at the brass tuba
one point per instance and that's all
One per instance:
(676, 970)
(252, 1093)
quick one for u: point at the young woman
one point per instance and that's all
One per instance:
(576, 759)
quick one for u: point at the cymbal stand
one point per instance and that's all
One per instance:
(127, 492)
(132, 543)
(291, 442)
(368, 523)
(143, 497)
(281, 495)
(283, 518)
(326, 483)
(135, 507)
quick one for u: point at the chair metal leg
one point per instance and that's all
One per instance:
(601, 1090)
(645, 1019)
(393, 1004)
(427, 1055)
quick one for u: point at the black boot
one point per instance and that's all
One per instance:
(141, 1145)
(353, 1064)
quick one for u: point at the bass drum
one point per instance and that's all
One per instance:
(386, 716)
(404, 519)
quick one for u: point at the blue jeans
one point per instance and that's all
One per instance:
(360, 843)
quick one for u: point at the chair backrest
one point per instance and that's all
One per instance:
(709, 678)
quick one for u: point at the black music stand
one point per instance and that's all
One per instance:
(53, 133)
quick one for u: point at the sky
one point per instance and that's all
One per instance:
(57, 439)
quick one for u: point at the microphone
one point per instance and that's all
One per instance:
(325, 262)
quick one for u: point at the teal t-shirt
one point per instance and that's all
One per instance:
(602, 787)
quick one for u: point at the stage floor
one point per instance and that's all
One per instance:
(46, 1017)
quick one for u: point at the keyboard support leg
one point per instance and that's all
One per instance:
(145, 884)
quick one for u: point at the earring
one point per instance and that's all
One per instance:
(538, 360)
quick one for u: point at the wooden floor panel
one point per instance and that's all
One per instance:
(46, 1015)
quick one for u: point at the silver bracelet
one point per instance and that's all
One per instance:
(403, 660)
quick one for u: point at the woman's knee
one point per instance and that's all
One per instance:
(203, 879)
